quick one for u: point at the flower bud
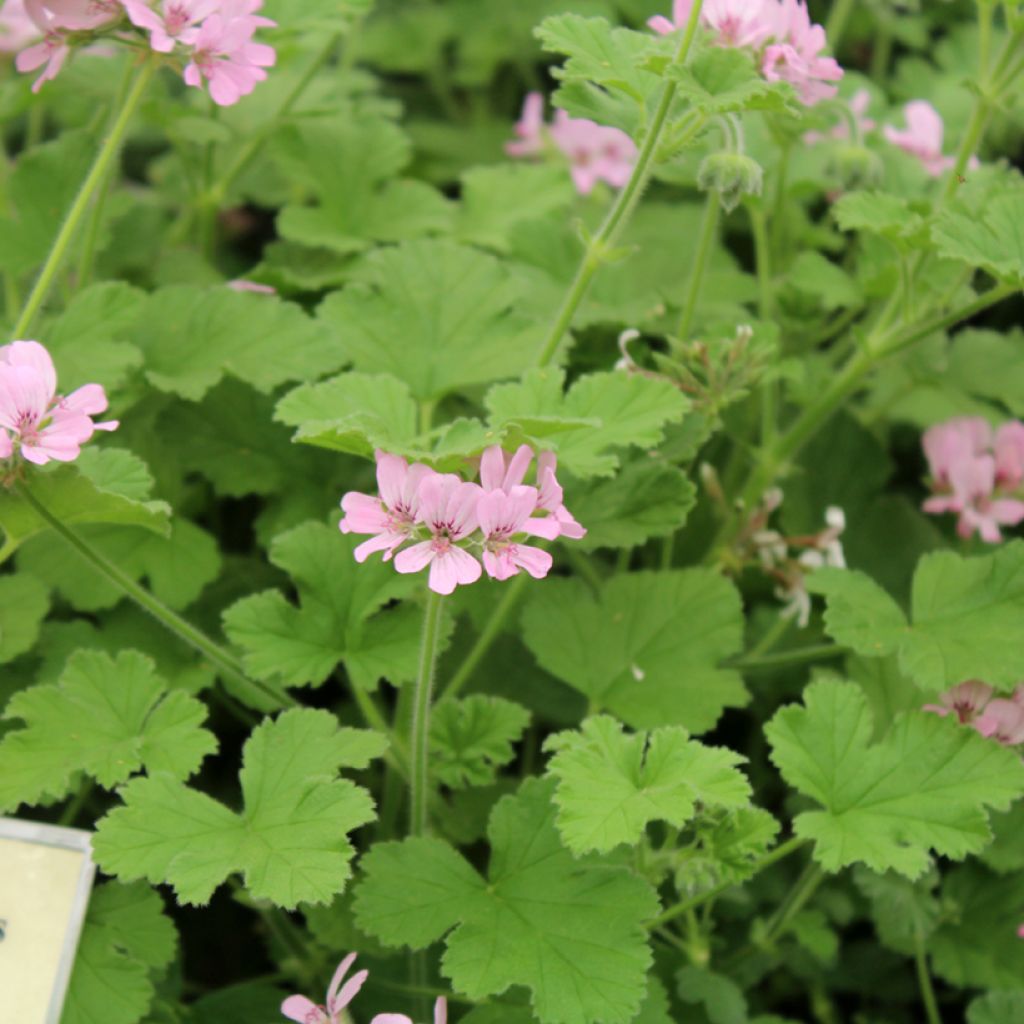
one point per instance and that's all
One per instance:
(856, 166)
(732, 175)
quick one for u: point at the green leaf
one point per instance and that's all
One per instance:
(612, 785)
(103, 486)
(570, 931)
(106, 717)
(814, 274)
(647, 648)
(1006, 852)
(436, 315)
(41, 187)
(924, 787)
(338, 619)
(496, 199)
(977, 945)
(87, 339)
(962, 611)
(244, 1003)
(905, 912)
(729, 845)
(990, 240)
(601, 54)
(996, 1008)
(877, 213)
(722, 80)
(24, 603)
(624, 411)
(291, 840)
(721, 997)
(125, 941)
(349, 164)
(472, 738)
(194, 336)
(177, 566)
(646, 499)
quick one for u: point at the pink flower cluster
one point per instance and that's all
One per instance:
(34, 420)
(977, 473)
(595, 152)
(788, 44)
(999, 718)
(213, 37)
(305, 1011)
(441, 516)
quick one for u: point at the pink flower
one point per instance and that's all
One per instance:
(305, 1011)
(224, 54)
(74, 15)
(735, 22)
(440, 1014)
(922, 137)
(33, 418)
(391, 517)
(971, 480)
(174, 24)
(17, 29)
(795, 57)
(596, 153)
(447, 507)
(551, 500)
(502, 515)
(1002, 720)
(966, 701)
(1009, 452)
(52, 52)
(529, 128)
(1020, 932)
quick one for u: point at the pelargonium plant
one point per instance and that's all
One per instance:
(556, 533)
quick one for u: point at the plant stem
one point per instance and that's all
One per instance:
(419, 735)
(97, 173)
(780, 851)
(837, 19)
(618, 216)
(487, 637)
(781, 659)
(708, 233)
(803, 889)
(226, 664)
(924, 981)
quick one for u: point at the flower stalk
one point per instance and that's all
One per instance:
(97, 175)
(419, 733)
(225, 663)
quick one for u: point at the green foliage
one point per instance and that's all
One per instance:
(607, 410)
(290, 841)
(104, 486)
(962, 610)
(341, 616)
(435, 315)
(989, 241)
(106, 717)
(349, 165)
(720, 996)
(24, 604)
(471, 739)
(194, 336)
(570, 931)
(126, 943)
(723, 80)
(612, 785)
(925, 787)
(647, 647)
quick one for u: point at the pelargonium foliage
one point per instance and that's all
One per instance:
(512, 512)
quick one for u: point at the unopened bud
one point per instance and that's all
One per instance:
(856, 166)
(732, 175)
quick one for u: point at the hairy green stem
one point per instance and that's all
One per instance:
(226, 664)
(782, 659)
(708, 233)
(680, 909)
(796, 899)
(597, 247)
(419, 733)
(837, 19)
(490, 633)
(97, 174)
(924, 981)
